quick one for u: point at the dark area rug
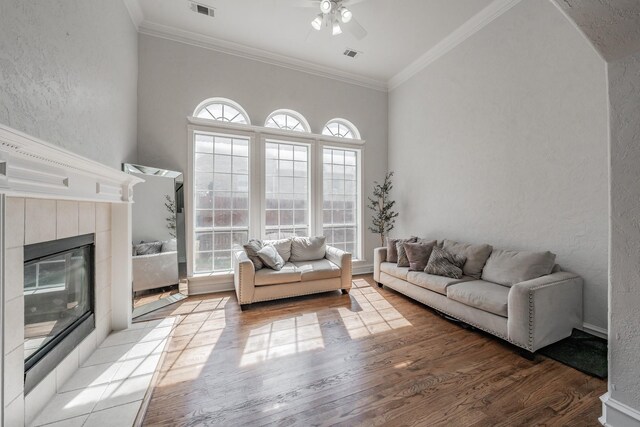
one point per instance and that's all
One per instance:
(582, 351)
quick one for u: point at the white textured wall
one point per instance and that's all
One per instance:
(504, 140)
(175, 78)
(624, 335)
(68, 74)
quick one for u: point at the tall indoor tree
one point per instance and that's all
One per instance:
(384, 217)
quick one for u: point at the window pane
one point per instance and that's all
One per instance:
(340, 198)
(225, 210)
(287, 191)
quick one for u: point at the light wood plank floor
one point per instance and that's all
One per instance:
(373, 357)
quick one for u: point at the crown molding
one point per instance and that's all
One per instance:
(466, 30)
(236, 49)
(135, 12)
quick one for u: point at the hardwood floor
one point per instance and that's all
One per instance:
(146, 297)
(373, 357)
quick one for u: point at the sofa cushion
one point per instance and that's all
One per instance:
(476, 255)
(270, 257)
(392, 249)
(444, 263)
(288, 274)
(418, 254)
(432, 282)
(485, 296)
(318, 269)
(511, 267)
(283, 246)
(392, 269)
(251, 248)
(307, 248)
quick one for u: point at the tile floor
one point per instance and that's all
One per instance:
(108, 389)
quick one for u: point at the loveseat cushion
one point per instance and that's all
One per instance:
(288, 274)
(511, 267)
(482, 295)
(283, 246)
(432, 282)
(392, 269)
(318, 269)
(307, 248)
(476, 255)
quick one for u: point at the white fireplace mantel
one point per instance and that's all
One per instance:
(32, 170)
(30, 167)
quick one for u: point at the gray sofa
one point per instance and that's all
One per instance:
(530, 314)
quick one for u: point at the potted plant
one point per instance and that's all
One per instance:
(383, 217)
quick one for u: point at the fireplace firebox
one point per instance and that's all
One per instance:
(58, 302)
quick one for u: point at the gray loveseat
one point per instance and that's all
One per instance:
(530, 314)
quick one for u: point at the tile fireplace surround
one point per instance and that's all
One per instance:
(48, 193)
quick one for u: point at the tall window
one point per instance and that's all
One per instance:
(223, 110)
(287, 120)
(340, 198)
(341, 128)
(221, 167)
(286, 190)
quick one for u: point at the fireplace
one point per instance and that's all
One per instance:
(58, 302)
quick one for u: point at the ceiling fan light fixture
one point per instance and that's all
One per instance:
(317, 22)
(326, 6)
(345, 14)
(336, 28)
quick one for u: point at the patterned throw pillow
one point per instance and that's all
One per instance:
(271, 258)
(252, 248)
(444, 263)
(148, 248)
(392, 248)
(418, 254)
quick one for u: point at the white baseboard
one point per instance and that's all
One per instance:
(362, 269)
(595, 330)
(617, 414)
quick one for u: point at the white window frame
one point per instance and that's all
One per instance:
(303, 121)
(223, 101)
(346, 123)
(257, 136)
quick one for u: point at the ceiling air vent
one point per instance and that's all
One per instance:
(351, 53)
(203, 9)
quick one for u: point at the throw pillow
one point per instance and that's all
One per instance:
(392, 251)
(307, 248)
(283, 246)
(149, 248)
(510, 267)
(170, 245)
(271, 258)
(418, 254)
(477, 256)
(444, 263)
(251, 249)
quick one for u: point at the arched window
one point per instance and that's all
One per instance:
(223, 110)
(341, 128)
(288, 120)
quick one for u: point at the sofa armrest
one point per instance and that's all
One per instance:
(544, 310)
(244, 273)
(343, 260)
(379, 256)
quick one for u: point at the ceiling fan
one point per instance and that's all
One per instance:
(335, 14)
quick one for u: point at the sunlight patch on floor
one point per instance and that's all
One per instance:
(376, 315)
(283, 338)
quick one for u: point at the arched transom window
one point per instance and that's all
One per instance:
(288, 120)
(223, 110)
(341, 128)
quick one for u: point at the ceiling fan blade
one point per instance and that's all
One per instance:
(351, 2)
(355, 28)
